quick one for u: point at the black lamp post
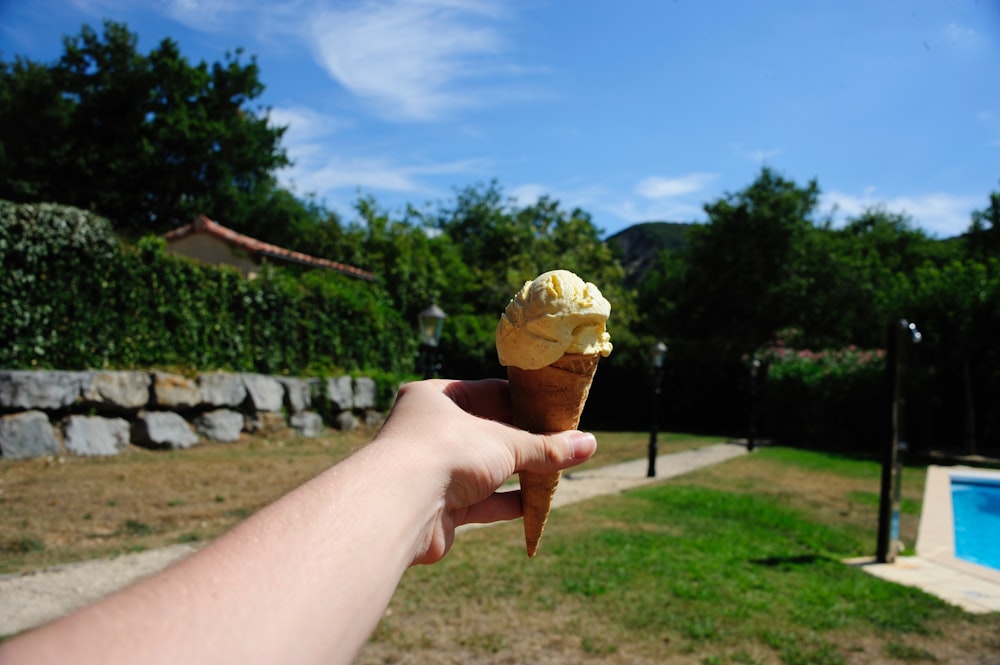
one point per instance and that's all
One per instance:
(888, 507)
(755, 365)
(429, 324)
(656, 355)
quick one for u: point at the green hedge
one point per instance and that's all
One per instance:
(72, 296)
(833, 398)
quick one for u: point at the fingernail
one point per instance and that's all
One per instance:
(584, 444)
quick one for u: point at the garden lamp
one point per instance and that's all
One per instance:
(429, 322)
(657, 353)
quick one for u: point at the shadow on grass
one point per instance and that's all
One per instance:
(789, 561)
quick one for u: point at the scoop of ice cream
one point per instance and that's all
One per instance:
(555, 314)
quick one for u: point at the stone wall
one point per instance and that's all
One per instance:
(101, 413)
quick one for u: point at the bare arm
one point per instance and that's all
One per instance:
(306, 579)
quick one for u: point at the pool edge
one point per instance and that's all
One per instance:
(936, 531)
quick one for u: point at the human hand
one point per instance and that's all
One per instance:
(458, 433)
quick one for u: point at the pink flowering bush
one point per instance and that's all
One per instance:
(829, 397)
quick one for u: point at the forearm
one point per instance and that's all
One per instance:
(304, 580)
(307, 578)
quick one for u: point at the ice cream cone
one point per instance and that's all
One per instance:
(548, 399)
(550, 337)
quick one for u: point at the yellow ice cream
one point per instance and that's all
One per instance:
(555, 314)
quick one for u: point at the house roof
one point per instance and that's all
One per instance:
(263, 249)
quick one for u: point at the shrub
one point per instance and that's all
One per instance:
(829, 398)
(73, 297)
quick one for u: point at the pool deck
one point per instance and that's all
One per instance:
(935, 568)
(972, 592)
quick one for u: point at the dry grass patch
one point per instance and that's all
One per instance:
(62, 509)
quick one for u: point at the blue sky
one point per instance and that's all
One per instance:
(634, 111)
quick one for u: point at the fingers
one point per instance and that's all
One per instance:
(488, 398)
(554, 452)
(498, 507)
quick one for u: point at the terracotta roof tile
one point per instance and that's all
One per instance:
(252, 245)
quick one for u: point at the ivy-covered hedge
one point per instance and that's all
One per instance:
(72, 296)
(833, 398)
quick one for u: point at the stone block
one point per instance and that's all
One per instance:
(346, 421)
(220, 425)
(307, 423)
(93, 435)
(340, 393)
(162, 429)
(119, 391)
(374, 419)
(172, 391)
(27, 434)
(364, 393)
(266, 392)
(298, 395)
(24, 389)
(222, 389)
(268, 422)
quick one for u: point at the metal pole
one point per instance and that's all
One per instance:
(888, 507)
(657, 380)
(883, 551)
(429, 361)
(754, 375)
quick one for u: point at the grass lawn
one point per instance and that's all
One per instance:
(58, 510)
(738, 563)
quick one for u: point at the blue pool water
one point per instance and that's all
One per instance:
(975, 500)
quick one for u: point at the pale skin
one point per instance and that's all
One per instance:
(306, 579)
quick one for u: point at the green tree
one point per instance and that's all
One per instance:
(149, 141)
(983, 236)
(845, 277)
(957, 306)
(504, 244)
(738, 280)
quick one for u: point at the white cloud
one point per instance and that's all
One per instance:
(351, 173)
(528, 194)
(304, 123)
(376, 174)
(961, 34)
(939, 214)
(660, 211)
(198, 14)
(655, 187)
(409, 59)
(763, 156)
(413, 60)
(756, 155)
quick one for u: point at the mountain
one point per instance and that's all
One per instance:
(638, 246)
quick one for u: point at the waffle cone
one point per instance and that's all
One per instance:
(549, 399)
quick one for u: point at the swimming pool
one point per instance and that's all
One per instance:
(975, 501)
(960, 520)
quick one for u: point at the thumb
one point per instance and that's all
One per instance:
(548, 453)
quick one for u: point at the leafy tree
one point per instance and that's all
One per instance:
(34, 117)
(736, 283)
(149, 141)
(957, 306)
(983, 236)
(416, 266)
(504, 244)
(846, 276)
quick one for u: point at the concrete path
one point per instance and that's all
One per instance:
(30, 600)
